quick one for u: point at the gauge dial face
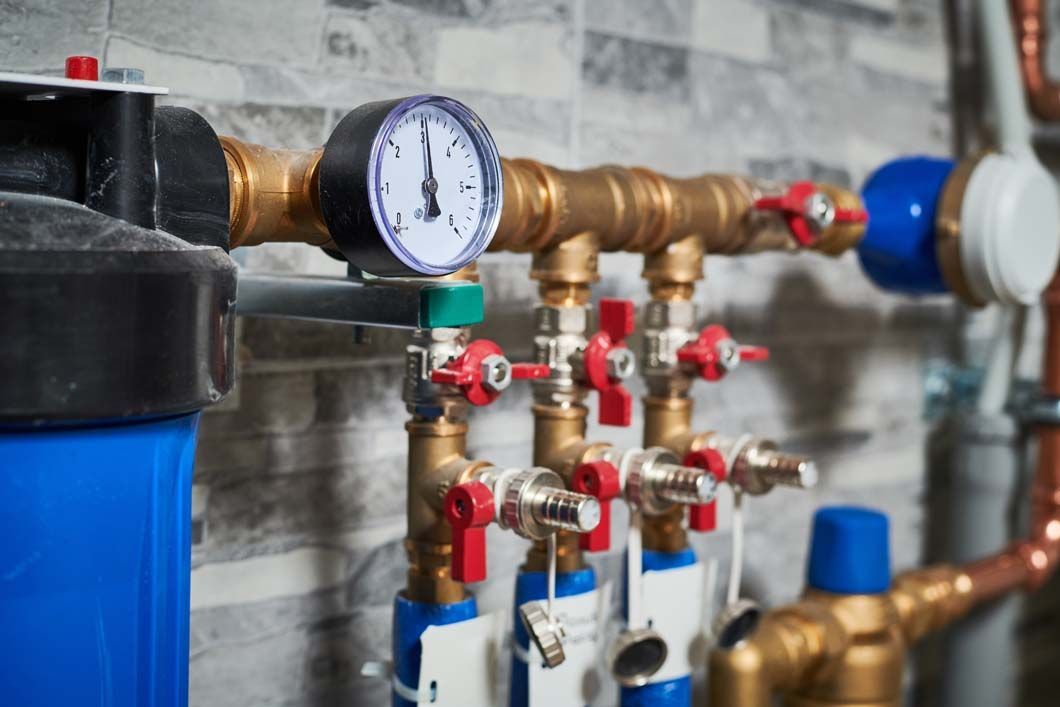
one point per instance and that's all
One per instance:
(435, 184)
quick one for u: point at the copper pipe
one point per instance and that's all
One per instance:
(1029, 563)
(1043, 94)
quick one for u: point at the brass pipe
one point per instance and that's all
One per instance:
(639, 210)
(273, 195)
(436, 463)
(1043, 94)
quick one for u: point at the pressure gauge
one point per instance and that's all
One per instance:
(411, 186)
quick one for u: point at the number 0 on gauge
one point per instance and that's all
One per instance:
(411, 186)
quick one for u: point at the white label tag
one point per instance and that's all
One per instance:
(460, 659)
(570, 682)
(673, 603)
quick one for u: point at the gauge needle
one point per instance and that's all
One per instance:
(430, 184)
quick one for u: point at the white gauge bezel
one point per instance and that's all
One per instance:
(493, 188)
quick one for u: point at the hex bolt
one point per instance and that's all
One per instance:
(123, 75)
(820, 211)
(496, 372)
(621, 363)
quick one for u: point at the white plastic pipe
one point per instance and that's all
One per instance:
(1003, 74)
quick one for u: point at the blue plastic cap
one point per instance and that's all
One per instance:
(898, 249)
(850, 551)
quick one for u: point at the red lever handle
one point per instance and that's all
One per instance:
(469, 509)
(714, 353)
(600, 480)
(703, 517)
(480, 383)
(616, 323)
(530, 371)
(796, 208)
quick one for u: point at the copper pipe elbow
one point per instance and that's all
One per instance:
(1043, 94)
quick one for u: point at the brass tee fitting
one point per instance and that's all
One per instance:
(829, 649)
(273, 195)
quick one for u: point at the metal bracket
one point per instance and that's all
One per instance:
(394, 302)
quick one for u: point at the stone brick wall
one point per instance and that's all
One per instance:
(300, 476)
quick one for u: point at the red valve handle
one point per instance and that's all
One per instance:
(84, 68)
(465, 371)
(705, 352)
(792, 206)
(616, 323)
(703, 517)
(600, 480)
(469, 509)
(530, 371)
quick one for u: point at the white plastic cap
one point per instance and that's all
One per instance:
(1010, 229)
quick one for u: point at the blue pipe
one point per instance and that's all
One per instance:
(411, 619)
(676, 692)
(95, 564)
(531, 586)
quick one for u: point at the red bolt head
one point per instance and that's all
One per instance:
(85, 68)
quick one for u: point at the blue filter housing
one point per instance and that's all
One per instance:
(95, 564)
(533, 586)
(411, 619)
(668, 693)
(897, 251)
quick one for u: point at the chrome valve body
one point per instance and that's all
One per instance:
(560, 334)
(534, 504)
(430, 349)
(655, 481)
(668, 325)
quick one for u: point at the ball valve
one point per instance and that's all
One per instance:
(530, 502)
(483, 372)
(808, 211)
(715, 353)
(607, 361)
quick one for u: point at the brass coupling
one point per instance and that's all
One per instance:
(273, 195)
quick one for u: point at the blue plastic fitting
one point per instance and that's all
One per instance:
(898, 249)
(411, 619)
(676, 692)
(533, 586)
(95, 564)
(850, 551)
